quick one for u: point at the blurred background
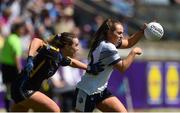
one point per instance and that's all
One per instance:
(150, 84)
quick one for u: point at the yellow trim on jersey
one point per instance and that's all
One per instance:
(37, 68)
(52, 47)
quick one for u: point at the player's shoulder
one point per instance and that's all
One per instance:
(108, 46)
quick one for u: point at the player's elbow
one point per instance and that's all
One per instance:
(121, 67)
(122, 70)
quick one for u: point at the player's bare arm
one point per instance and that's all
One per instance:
(132, 40)
(77, 64)
(35, 44)
(124, 64)
(129, 42)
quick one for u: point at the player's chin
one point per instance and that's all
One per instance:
(117, 44)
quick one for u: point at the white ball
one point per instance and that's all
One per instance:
(153, 31)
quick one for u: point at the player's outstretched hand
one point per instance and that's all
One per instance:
(144, 26)
(95, 68)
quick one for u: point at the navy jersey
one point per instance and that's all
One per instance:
(46, 63)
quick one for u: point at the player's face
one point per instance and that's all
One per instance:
(73, 48)
(117, 34)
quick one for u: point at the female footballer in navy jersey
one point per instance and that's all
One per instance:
(92, 90)
(43, 61)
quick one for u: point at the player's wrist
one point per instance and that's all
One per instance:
(91, 70)
(141, 30)
(30, 57)
(88, 68)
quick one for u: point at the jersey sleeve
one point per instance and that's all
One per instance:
(109, 55)
(65, 61)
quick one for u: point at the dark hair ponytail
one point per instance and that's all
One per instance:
(60, 40)
(101, 34)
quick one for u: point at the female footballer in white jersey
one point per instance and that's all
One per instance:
(92, 90)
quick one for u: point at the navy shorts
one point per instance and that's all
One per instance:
(86, 103)
(19, 92)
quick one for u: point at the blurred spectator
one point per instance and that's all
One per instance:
(85, 38)
(4, 22)
(64, 83)
(65, 23)
(67, 2)
(10, 12)
(89, 29)
(47, 24)
(175, 2)
(15, 10)
(1, 43)
(54, 10)
(97, 21)
(125, 7)
(155, 2)
(10, 59)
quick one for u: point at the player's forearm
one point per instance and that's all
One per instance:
(128, 61)
(135, 38)
(77, 64)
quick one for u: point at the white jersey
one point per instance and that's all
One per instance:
(107, 53)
